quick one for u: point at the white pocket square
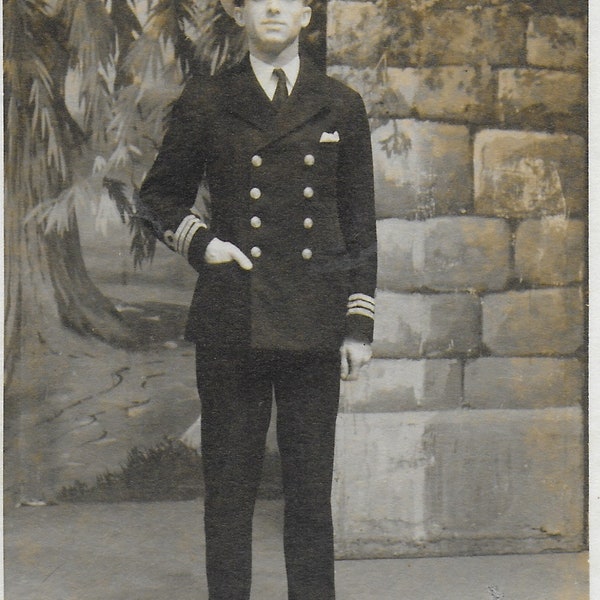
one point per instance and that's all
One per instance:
(330, 137)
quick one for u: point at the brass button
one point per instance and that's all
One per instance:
(309, 160)
(255, 222)
(308, 192)
(256, 160)
(307, 254)
(256, 252)
(308, 223)
(255, 193)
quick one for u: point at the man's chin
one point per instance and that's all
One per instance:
(275, 45)
(275, 39)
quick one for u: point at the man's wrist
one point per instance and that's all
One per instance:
(359, 328)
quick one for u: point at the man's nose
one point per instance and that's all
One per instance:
(273, 6)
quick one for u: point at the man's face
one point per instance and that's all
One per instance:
(272, 25)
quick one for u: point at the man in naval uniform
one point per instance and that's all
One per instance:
(286, 267)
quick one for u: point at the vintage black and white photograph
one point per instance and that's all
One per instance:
(296, 300)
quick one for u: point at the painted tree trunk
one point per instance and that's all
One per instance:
(51, 301)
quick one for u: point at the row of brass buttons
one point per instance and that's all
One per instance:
(256, 252)
(257, 161)
(256, 193)
(256, 222)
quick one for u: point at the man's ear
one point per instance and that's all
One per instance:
(306, 15)
(238, 15)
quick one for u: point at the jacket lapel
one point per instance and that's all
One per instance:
(248, 101)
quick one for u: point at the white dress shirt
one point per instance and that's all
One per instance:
(268, 80)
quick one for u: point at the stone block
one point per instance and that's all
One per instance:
(444, 254)
(456, 37)
(533, 322)
(387, 385)
(453, 93)
(550, 251)
(453, 325)
(378, 88)
(541, 99)
(434, 325)
(400, 244)
(511, 474)
(398, 324)
(421, 169)
(556, 42)
(466, 253)
(379, 481)
(349, 25)
(458, 482)
(521, 173)
(493, 382)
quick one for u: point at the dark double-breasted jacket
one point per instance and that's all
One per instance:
(292, 189)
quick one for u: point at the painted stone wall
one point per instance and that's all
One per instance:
(467, 433)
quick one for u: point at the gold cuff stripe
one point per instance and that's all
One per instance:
(185, 232)
(361, 304)
(362, 297)
(361, 311)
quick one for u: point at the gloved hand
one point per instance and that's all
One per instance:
(354, 355)
(218, 252)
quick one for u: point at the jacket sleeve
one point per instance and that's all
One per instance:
(169, 190)
(356, 207)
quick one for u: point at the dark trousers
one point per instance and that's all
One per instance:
(236, 391)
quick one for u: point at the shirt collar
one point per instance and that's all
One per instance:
(268, 82)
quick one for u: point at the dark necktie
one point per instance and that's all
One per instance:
(281, 92)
